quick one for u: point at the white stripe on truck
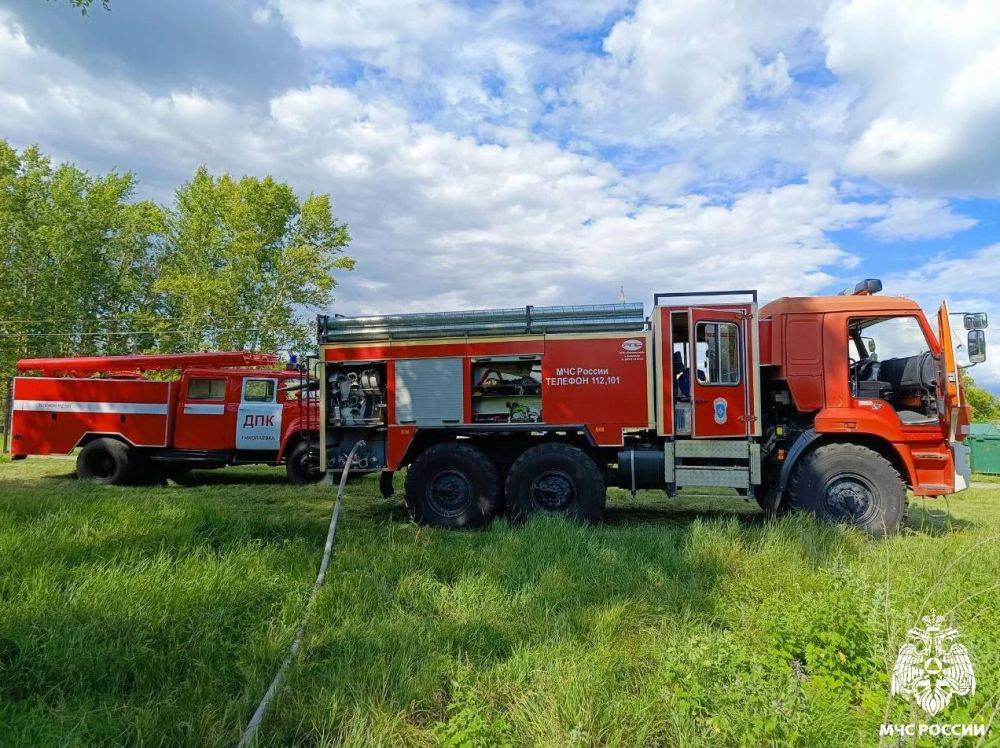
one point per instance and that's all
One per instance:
(71, 406)
(200, 409)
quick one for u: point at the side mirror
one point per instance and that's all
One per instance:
(977, 346)
(977, 321)
(869, 344)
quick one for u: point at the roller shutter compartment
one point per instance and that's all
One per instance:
(429, 391)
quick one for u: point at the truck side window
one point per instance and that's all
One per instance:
(258, 391)
(207, 389)
(718, 347)
(891, 360)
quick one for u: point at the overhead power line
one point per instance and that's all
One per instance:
(211, 330)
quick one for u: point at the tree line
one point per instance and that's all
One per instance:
(86, 268)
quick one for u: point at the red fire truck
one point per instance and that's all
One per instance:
(830, 404)
(219, 411)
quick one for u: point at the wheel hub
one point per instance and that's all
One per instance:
(101, 465)
(553, 491)
(309, 464)
(850, 498)
(449, 493)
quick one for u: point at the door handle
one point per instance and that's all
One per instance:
(702, 402)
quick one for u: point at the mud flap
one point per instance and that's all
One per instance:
(385, 484)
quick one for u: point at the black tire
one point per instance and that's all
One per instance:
(850, 484)
(302, 465)
(453, 485)
(557, 479)
(107, 461)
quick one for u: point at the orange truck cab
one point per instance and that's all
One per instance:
(834, 404)
(220, 409)
(870, 371)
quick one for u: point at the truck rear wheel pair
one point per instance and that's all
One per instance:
(850, 484)
(457, 485)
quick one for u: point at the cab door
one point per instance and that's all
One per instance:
(950, 386)
(722, 372)
(204, 415)
(258, 420)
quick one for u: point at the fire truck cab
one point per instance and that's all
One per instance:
(834, 405)
(216, 412)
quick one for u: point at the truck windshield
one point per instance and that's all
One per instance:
(891, 360)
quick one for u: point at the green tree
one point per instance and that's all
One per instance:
(76, 259)
(84, 5)
(984, 404)
(243, 260)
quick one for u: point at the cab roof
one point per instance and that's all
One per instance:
(821, 304)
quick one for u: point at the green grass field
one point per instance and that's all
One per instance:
(158, 616)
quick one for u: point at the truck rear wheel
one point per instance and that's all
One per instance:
(851, 484)
(106, 461)
(453, 485)
(558, 479)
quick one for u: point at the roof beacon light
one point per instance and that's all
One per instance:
(867, 287)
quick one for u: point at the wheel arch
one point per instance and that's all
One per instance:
(810, 440)
(292, 440)
(93, 436)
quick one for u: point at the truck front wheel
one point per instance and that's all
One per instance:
(558, 479)
(851, 484)
(106, 461)
(453, 485)
(302, 465)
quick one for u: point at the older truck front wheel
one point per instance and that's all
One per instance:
(851, 484)
(302, 464)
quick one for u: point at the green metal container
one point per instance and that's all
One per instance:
(984, 442)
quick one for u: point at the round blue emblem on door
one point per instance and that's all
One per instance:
(720, 410)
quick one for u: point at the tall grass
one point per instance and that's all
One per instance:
(158, 615)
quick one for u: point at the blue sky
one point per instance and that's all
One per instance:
(549, 151)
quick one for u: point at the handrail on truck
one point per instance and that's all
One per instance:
(752, 292)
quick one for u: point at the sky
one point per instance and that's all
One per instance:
(509, 152)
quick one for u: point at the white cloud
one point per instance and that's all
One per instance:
(929, 104)
(445, 220)
(676, 69)
(381, 26)
(440, 218)
(970, 284)
(914, 103)
(915, 218)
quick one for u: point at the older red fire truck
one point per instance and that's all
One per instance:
(222, 409)
(834, 404)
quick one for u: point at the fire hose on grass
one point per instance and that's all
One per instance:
(250, 733)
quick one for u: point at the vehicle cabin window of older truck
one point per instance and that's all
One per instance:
(890, 359)
(258, 391)
(718, 353)
(207, 389)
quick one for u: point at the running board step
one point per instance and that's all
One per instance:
(733, 450)
(713, 477)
